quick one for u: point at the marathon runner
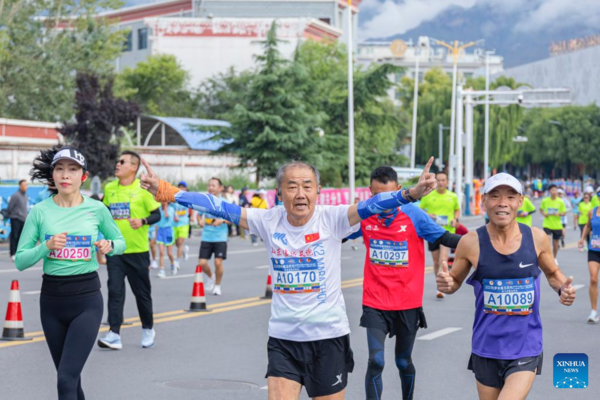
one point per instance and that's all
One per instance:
(133, 209)
(524, 213)
(152, 246)
(584, 207)
(309, 342)
(214, 240)
(181, 226)
(564, 218)
(593, 226)
(393, 282)
(67, 226)
(165, 237)
(441, 205)
(508, 259)
(553, 208)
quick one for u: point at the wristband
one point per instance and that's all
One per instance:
(112, 245)
(144, 221)
(408, 196)
(559, 292)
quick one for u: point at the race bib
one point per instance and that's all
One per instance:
(552, 211)
(386, 253)
(595, 242)
(78, 248)
(441, 220)
(296, 275)
(120, 210)
(508, 296)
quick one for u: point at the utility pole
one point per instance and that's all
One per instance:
(414, 119)
(351, 174)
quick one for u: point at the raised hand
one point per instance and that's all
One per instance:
(103, 246)
(567, 292)
(427, 183)
(444, 280)
(57, 242)
(149, 180)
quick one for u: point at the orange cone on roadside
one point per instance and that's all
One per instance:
(13, 324)
(269, 290)
(198, 303)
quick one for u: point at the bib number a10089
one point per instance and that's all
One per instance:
(387, 253)
(78, 248)
(509, 296)
(296, 275)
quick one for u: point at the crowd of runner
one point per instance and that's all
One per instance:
(309, 343)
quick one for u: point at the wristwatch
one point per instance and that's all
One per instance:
(112, 245)
(408, 197)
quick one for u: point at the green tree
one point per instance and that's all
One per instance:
(158, 85)
(218, 95)
(38, 60)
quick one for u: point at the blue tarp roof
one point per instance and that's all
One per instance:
(191, 131)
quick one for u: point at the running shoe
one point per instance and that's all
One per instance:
(153, 264)
(439, 295)
(354, 247)
(12, 258)
(148, 338)
(175, 268)
(186, 252)
(562, 242)
(593, 318)
(111, 341)
(161, 274)
(210, 284)
(217, 290)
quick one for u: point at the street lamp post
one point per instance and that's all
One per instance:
(414, 119)
(351, 174)
(486, 145)
(459, 148)
(469, 151)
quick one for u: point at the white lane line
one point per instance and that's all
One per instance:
(7, 271)
(264, 388)
(247, 251)
(178, 276)
(577, 287)
(33, 292)
(437, 334)
(262, 267)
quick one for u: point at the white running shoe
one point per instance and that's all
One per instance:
(210, 284)
(186, 252)
(593, 318)
(153, 264)
(111, 341)
(12, 258)
(175, 268)
(148, 338)
(354, 247)
(217, 290)
(161, 273)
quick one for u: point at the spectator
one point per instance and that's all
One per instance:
(17, 212)
(259, 200)
(230, 196)
(244, 203)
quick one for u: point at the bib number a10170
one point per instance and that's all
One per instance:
(387, 253)
(296, 275)
(509, 296)
(78, 248)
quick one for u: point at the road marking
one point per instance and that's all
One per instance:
(264, 388)
(178, 276)
(577, 287)
(33, 292)
(262, 267)
(247, 251)
(437, 334)
(7, 271)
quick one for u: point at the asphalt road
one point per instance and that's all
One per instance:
(222, 354)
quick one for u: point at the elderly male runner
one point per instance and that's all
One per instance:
(508, 259)
(309, 341)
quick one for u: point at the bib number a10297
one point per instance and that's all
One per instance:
(387, 253)
(78, 248)
(509, 296)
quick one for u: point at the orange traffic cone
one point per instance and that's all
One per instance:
(269, 290)
(13, 325)
(198, 303)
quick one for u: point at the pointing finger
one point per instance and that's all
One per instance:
(148, 168)
(429, 163)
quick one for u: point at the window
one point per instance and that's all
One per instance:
(142, 38)
(399, 76)
(127, 45)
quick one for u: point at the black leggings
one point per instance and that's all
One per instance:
(71, 326)
(403, 352)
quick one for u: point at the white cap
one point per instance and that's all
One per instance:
(502, 179)
(560, 190)
(588, 189)
(261, 191)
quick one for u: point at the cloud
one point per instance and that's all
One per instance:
(384, 18)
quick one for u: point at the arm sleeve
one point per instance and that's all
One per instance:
(154, 217)
(381, 202)
(425, 227)
(449, 240)
(109, 229)
(29, 252)
(207, 203)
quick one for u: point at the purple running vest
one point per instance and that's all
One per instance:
(507, 323)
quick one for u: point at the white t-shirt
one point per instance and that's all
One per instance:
(305, 265)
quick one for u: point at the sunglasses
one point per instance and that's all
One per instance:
(122, 162)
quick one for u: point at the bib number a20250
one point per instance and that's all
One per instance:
(78, 248)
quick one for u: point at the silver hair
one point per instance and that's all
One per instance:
(297, 164)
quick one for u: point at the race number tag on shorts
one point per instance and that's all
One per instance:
(441, 220)
(294, 275)
(387, 253)
(78, 248)
(120, 210)
(595, 242)
(508, 296)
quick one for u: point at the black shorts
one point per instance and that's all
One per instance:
(321, 366)
(594, 256)
(433, 246)
(492, 372)
(399, 323)
(556, 233)
(207, 249)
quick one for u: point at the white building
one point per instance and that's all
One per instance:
(209, 37)
(430, 55)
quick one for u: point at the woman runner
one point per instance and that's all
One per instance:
(67, 226)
